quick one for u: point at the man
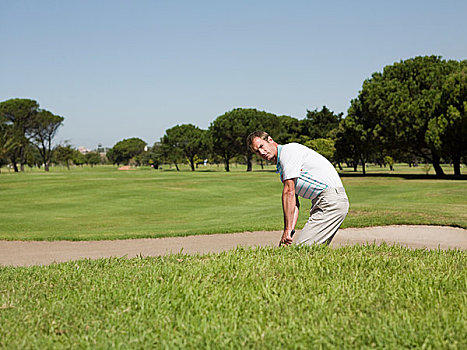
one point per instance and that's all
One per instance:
(307, 174)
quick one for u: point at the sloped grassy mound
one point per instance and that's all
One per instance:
(294, 297)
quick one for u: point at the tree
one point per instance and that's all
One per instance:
(325, 147)
(33, 157)
(42, 133)
(290, 130)
(7, 143)
(230, 130)
(63, 154)
(20, 114)
(171, 155)
(446, 133)
(224, 139)
(156, 155)
(318, 124)
(29, 125)
(185, 139)
(92, 158)
(124, 150)
(78, 157)
(152, 157)
(354, 143)
(407, 101)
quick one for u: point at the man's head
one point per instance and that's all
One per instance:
(263, 145)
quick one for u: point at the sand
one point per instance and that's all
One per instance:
(28, 253)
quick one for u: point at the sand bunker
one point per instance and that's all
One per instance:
(27, 253)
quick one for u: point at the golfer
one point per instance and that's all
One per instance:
(307, 174)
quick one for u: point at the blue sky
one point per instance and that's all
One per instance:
(120, 69)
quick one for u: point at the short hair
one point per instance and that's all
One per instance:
(258, 133)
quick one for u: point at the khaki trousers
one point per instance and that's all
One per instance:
(327, 213)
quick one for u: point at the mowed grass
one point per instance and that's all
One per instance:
(104, 203)
(292, 298)
(289, 297)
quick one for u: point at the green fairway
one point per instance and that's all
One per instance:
(295, 297)
(104, 203)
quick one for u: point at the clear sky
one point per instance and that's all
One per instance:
(119, 69)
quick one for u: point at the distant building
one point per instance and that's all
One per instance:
(83, 150)
(102, 150)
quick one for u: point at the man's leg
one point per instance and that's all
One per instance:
(327, 213)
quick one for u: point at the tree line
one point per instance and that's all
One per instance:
(26, 138)
(413, 111)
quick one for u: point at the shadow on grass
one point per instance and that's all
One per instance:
(341, 174)
(407, 176)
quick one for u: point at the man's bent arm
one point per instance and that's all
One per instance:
(288, 207)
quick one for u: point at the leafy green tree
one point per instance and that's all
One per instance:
(414, 100)
(358, 136)
(325, 147)
(171, 155)
(187, 140)
(78, 158)
(446, 133)
(63, 154)
(230, 131)
(157, 155)
(347, 143)
(20, 114)
(92, 158)
(42, 133)
(224, 138)
(407, 102)
(290, 130)
(124, 150)
(152, 157)
(8, 143)
(33, 157)
(319, 124)
(112, 156)
(29, 125)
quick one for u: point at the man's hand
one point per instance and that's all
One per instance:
(286, 238)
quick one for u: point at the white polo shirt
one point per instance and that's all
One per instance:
(312, 171)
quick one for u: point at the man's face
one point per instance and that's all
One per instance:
(266, 149)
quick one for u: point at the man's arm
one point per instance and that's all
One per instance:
(295, 214)
(289, 208)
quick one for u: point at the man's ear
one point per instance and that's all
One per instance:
(270, 139)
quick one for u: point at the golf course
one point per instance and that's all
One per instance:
(358, 296)
(103, 203)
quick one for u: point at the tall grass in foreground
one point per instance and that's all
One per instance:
(296, 297)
